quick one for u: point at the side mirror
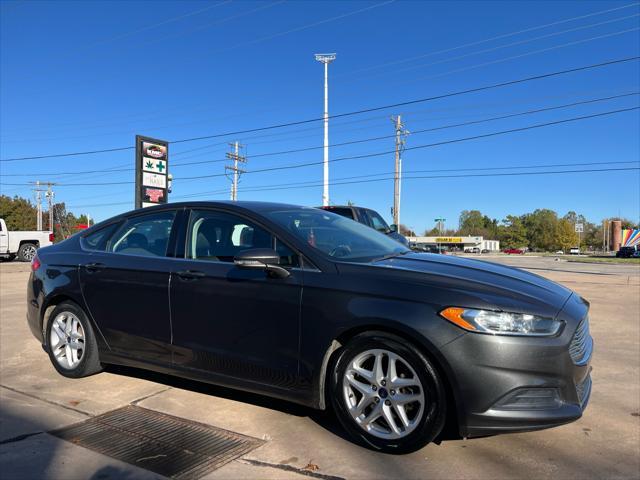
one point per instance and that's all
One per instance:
(393, 227)
(261, 259)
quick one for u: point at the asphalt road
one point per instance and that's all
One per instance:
(605, 443)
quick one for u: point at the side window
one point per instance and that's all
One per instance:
(218, 236)
(377, 221)
(98, 240)
(146, 235)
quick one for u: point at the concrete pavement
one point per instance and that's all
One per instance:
(301, 443)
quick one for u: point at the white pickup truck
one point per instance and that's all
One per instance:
(22, 244)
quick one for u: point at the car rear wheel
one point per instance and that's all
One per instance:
(71, 342)
(387, 394)
(26, 252)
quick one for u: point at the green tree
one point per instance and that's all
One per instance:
(513, 233)
(566, 236)
(471, 222)
(541, 227)
(19, 213)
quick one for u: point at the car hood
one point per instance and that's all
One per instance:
(464, 282)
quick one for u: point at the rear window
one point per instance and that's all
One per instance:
(98, 240)
(343, 212)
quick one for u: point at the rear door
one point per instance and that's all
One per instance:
(125, 282)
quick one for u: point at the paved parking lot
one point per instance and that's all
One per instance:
(300, 442)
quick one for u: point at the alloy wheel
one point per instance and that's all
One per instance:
(29, 252)
(67, 340)
(383, 394)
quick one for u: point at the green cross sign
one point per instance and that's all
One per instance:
(160, 166)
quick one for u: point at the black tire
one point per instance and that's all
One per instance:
(89, 360)
(27, 251)
(433, 415)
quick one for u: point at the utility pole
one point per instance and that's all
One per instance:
(326, 59)
(401, 134)
(38, 196)
(49, 194)
(236, 172)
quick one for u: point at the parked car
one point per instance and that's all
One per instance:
(574, 251)
(397, 342)
(513, 251)
(559, 252)
(22, 244)
(626, 252)
(484, 250)
(368, 217)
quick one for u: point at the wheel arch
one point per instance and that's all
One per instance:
(34, 242)
(455, 417)
(50, 304)
(53, 301)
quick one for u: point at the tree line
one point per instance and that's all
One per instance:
(541, 230)
(21, 214)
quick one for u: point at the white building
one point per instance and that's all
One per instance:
(458, 243)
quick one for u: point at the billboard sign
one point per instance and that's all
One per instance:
(152, 171)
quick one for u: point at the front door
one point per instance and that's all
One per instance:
(228, 321)
(126, 286)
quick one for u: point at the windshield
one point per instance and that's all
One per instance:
(336, 236)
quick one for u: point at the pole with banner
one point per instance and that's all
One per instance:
(152, 172)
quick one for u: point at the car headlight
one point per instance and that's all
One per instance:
(501, 323)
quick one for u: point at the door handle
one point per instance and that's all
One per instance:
(190, 274)
(94, 266)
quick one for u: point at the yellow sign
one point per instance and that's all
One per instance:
(448, 240)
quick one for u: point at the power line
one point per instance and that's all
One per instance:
(517, 167)
(486, 40)
(357, 112)
(225, 191)
(364, 140)
(511, 174)
(513, 44)
(422, 100)
(376, 154)
(471, 169)
(395, 62)
(436, 144)
(525, 54)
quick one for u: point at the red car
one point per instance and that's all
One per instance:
(513, 251)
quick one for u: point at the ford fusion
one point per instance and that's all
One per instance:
(308, 306)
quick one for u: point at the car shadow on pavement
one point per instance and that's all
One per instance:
(324, 419)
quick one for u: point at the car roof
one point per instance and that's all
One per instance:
(247, 205)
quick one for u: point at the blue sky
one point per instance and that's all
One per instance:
(79, 76)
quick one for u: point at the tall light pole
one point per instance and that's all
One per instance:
(326, 58)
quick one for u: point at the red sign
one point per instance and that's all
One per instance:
(154, 194)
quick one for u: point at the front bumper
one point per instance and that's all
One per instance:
(515, 384)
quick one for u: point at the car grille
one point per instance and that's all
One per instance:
(581, 343)
(583, 389)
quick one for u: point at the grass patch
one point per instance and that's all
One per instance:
(632, 261)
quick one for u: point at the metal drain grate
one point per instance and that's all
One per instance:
(158, 442)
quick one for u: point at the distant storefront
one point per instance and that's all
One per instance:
(457, 243)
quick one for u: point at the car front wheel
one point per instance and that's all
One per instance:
(387, 394)
(71, 342)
